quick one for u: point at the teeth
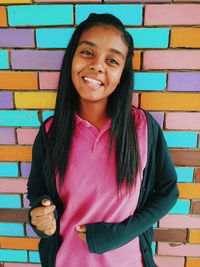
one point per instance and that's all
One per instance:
(92, 80)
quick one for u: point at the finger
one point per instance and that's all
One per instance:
(46, 202)
(40, 211)
(82, 236)
(49, 231)
(45, 218)
(46, 226)
(81, 228)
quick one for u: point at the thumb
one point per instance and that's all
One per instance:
(81, 228)
(46, 202)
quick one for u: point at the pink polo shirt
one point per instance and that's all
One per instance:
(89, 195)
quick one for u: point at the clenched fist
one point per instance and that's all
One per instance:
(43, 217)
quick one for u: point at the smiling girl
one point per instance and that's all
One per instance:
(101, 173)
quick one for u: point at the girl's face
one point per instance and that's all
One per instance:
(98, 63)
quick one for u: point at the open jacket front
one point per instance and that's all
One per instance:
(157, 196)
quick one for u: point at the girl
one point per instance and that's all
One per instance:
(101, 173)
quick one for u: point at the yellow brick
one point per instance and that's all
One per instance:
(35, 100)
(192, 262)
(188, 190)
(170, 101)
(15, 1)
(185, 37)
(194, 236)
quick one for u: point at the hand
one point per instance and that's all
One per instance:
(82, 232)
(43, 217)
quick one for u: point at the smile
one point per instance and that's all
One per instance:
(93, 81)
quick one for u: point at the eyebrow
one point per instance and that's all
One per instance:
(94, 45)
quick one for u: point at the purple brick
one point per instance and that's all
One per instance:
(26, 202)
(7, 136)
(25, 169)
(133, 1)
(29, 231)
(184, 81)
(36, 60)
(6, 100)
(16, 38)
(159, 117)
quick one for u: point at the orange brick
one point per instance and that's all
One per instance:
(188, 190)
(170, 101)
(192, 262)
(15, 153)
(194, 236)
(185, 37)
(136, 60)
(18, 80)
(19, 243)
(3, 17)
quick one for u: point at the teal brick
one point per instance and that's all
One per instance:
(150, 81)
(13, 255)
(40, 15)
(4, 61)
(150, 38)
(19, 118)
(128, 14)
(10, 201)
(181, 139)
(53, 38)
(181, 207)
(153, 247)
(8, 170)
(185, 175)
(47, 114)
(11, 229)
(34, 256)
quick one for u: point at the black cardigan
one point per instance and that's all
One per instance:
(158, 195)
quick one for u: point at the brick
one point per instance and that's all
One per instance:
(195, 207)
(181, 139)
(185, 14)
(15, 1)
(14, 216)
(36, 60)
(128, 14)
(13, 255)
(6, 100)
(30, 232)
(26, 136)
(166, 261)
(189, 190)
(18, 185)
(8, 170)
(26, 203)
(159, 117)
(3, 17)
(9, 201)
(21, 265)
(184, 81)
(19, 118)
(197, 175)
(16, 38)
(194, 236)
(185, 37)
(150, 38)
(170, 235)
(136, 60)
(7, 136)
(182, 120)
(4, 61)
(192, 262)
(181, 207)
(25, 169)
(171, 59)
(185, 174)
(170, 101)
(47, 114)
(40, 15)
(191, 250)
(15, 153)
(133, 1)
(150, 81)
(185, 157)
(68, 1)
(19, 243)
(34, 256)
(180, 221)
(49, 80)
(11, 229)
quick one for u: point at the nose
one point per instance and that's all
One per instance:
(97, 65)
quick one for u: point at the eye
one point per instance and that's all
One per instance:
(113, 61)
(86, 52)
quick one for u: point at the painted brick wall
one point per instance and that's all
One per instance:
(33, 35)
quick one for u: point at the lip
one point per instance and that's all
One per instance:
(93, 78)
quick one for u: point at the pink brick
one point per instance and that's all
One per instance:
(182, 59)
(180, 221)
(183, 14)
(21, 265)
(135, 100)
(183, 121)
(176, 249)
(12, 185)
(26, 136)
(163, 261)
(49, 80)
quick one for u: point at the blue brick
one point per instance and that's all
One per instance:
(10, 201)
(128, 14)
(4, 62)
(11, 229)
(40, 15)
(153, 247)
(150, 38)
(181, 207)
(150, 81)
(185, 175)
(19, 118)
(8, 170)
(53, 38)
(46, 115)
(181, 139)
(34, 256)
(13, 255)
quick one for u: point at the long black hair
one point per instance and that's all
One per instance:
(123, 130)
